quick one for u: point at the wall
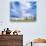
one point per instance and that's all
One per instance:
(11, 40)
(30, 30)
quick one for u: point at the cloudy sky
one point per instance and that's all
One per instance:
(25, 8)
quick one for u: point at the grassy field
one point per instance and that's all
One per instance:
(25, 20)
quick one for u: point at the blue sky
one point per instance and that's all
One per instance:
(16, 9)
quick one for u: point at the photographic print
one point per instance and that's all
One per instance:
(23, 10)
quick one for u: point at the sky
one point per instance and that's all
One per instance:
(20, 9)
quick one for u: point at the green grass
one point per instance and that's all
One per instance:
(25, 20)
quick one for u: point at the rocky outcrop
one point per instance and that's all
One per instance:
(39, 40)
